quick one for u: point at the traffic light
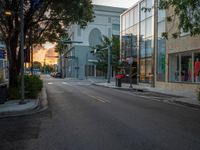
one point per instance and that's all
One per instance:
(93, 51)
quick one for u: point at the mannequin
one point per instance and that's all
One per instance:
(196, 69)
(190, 70)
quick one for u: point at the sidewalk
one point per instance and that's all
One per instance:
(12, 108)
(181, 97)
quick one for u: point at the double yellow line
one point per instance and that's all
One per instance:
(98, 98)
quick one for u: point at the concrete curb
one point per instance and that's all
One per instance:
(171, 101)
(38, 107)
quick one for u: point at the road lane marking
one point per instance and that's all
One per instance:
(96, 98)
(103, 99)
(66, 83)
(49, 83)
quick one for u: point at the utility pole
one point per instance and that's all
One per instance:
(22, 49)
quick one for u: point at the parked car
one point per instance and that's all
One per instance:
(58, 75)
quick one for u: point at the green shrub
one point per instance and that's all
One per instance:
(33, 85)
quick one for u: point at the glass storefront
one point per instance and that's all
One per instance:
(184, 67)
(145, 47)
(137, 38)
(161, 47)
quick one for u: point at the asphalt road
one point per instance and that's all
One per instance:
(82, 116)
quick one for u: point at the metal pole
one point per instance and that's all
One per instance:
(154, 43)
(22, 50)
(77, 69)
(108, 71)
(86, 66)
(131, 62)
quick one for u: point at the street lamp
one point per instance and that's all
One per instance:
(108, 69)
(66, 42)
(8, 13)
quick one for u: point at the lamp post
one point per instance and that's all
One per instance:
(130, 62)
(69, 41)
(22, 50)
(108, 69)
(109, 63)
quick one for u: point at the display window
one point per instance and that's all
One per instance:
(197, 67)
(184, 67)
(142, 70)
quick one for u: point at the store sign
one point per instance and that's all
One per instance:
(2, 54)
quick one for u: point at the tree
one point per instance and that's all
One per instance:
(188, 13)
(37, 65)
(44, 20)
(102, 55)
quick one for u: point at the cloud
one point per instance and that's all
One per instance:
(47, 54)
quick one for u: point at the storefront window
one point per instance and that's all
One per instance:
(174, 68)
(142, 49)
(161, 60)
(142, 70)
(148, 47)
(142, 29)
(197, 67)
(148, 70)
(149, 27)
(186, 67)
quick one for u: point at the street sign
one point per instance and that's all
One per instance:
(2, 54)
(71, 57)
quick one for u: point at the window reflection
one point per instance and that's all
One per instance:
(142, 13)
(149, 27)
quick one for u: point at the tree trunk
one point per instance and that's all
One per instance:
(14, 66)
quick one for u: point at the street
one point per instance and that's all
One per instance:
(82, 116)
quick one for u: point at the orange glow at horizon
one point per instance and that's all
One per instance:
(41, 51)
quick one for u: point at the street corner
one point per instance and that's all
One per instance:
(13, 108)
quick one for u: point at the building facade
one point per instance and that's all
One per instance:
(78, 61)
(159, 62)
(137, 40)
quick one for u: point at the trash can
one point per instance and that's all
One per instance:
(116, 82)
(119, 82)
(3, 93)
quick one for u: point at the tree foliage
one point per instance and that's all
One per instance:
(188, 13)
(102, 55)
(44, 20)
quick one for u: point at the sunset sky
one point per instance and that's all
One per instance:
(45, 52)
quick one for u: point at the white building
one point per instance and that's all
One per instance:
(79, 62)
